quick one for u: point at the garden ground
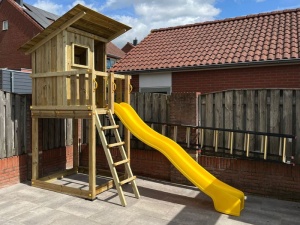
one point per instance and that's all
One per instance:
(160, 203)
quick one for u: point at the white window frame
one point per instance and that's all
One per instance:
(5, 25)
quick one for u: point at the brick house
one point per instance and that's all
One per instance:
(255, 51)
(19, 23)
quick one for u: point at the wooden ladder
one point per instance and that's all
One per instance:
(112, 165)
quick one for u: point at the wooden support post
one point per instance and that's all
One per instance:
(92, 158)
(175, 134)
(188, 133)
(202, 138)
(35, 148)
(75, 144)
(265, 146)
(247, 145)
(231, 143)
(216, 140)
(126, 131)
(111, 97)
(284, 150)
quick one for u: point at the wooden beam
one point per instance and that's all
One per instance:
(61, 107)
(92, 158)
(75, 144)
(111, 98)
(57, 31)
(61, 73)
(35, 149)
(61, 188)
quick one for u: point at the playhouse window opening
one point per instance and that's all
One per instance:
(80, 55)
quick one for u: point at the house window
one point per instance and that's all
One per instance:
(80, 56)
(5, 25)
(110, 62)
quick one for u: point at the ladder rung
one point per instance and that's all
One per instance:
(121, 162)
(110, 127)
(115, 144)
(127, 180)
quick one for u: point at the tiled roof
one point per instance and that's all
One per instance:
(265, 37)
(127, 48)
(114, 51)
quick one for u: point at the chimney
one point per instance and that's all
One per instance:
(135, 41)
(20, 2)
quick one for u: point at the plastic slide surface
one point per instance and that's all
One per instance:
(227, 199)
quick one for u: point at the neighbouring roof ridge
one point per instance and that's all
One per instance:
(228, 19)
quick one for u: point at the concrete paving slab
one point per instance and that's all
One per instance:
(161, 203)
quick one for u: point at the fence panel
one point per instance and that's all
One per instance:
(260, 110)
(12, 124)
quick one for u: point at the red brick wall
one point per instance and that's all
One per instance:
(135, 83)
(13, 170)
(21, 29)
(207, 81)
(258, 177)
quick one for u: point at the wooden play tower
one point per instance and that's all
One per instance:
(69, 80)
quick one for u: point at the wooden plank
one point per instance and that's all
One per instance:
(288, 119)
(17, 128)
(228, 114)
(250, 117)
(148, 110)
(262, 114)
(141, 111)
(69, 132)
(9, 128)
(126, 131)
(2, 125)
(92, 157)
(209, 120)
(35, 148)
(274, 120)
(219, 118)
(73, 81)
(156, 110)
(61, 108)
(297, 144)
(75, 144)
(23, 131)
(57, 31)
(61, 189)
(111, 98)
(239, 118)
(82, 89)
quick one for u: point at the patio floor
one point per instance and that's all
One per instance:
(160, 203)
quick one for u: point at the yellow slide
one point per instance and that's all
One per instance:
(226, 199)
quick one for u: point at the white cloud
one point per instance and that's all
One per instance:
(142, 15)
(159, 14)
(49, 6)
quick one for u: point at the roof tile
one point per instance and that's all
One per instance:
(260, 37)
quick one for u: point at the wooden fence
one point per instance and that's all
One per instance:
(15, 127)
(272, 111)
(13, 133)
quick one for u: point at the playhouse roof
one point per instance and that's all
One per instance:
(84, 19)
(264, 38)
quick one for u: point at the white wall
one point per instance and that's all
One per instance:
(156, 80)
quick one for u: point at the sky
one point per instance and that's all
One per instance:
(145, 15)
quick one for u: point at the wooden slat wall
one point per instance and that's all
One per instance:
(12, 124)
(274, 111)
